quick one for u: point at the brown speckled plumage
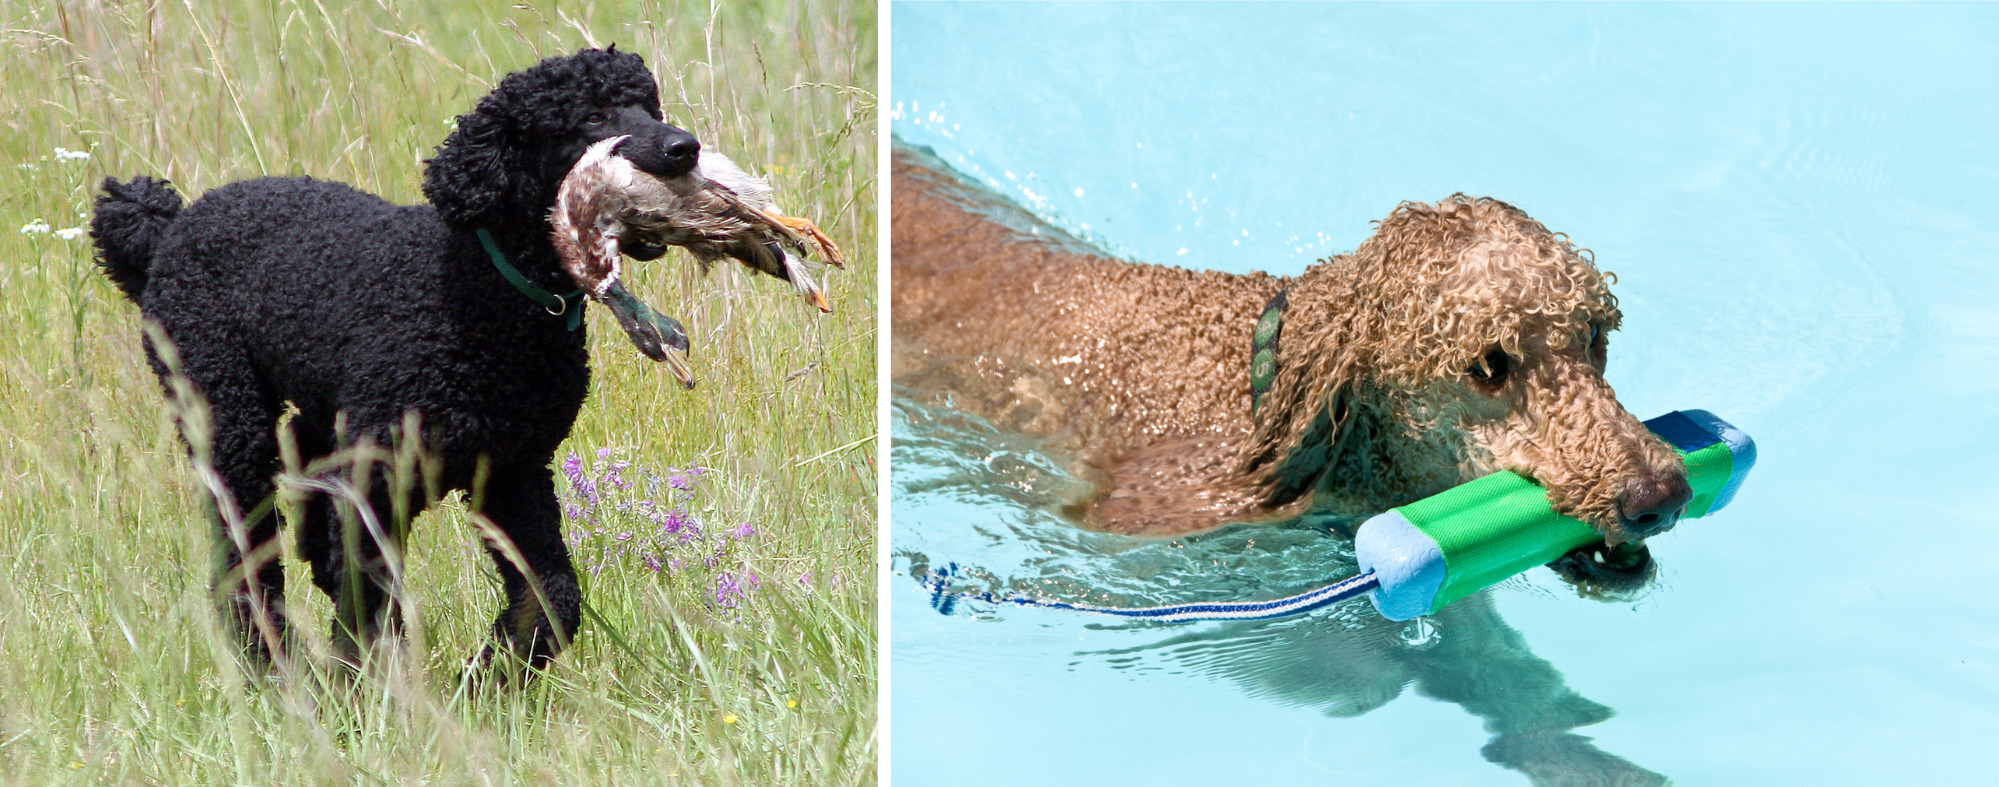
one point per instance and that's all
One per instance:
(605, 202)
(1143, 370)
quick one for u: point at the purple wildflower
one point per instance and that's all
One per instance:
(637, 515)
(572, 468)
(729, 590)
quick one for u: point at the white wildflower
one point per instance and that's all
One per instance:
(34, 226)
(63, 154)
(69, 233)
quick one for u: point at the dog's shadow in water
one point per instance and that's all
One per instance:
(1345, 661)
(1352, 662)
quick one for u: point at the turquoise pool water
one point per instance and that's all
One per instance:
(1797, 202)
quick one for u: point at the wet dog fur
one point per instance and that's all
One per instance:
(1462, 338)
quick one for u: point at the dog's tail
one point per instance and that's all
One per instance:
(130, 219)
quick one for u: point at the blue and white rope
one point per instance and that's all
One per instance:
(944, 601)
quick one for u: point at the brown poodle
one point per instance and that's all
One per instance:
(1461, 339)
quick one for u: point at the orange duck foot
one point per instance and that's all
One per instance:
(804, 226)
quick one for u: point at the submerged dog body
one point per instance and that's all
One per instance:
(1461, 339)
(358, 313)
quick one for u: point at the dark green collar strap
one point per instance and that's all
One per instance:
(1263, 350)
(555, 304)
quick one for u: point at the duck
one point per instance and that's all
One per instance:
(607, 205)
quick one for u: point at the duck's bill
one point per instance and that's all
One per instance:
(676, 363)
(657, 336)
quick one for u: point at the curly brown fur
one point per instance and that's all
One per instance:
(1461, 339)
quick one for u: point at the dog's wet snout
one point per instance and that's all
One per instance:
(683, 147)
(1652, 504)
(669, 154)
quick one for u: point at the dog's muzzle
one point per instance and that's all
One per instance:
(1652, 505)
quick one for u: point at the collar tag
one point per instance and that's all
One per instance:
(570, 303)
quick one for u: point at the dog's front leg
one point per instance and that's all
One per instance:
(344, 539)
(544, 601)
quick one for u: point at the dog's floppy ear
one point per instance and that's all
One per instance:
(472, 178)
(1294, 446)
(1305, 420)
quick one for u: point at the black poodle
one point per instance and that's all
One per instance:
(357, 312)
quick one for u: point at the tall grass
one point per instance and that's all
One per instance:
(113, 666)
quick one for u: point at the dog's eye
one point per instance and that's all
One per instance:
(596, 118)
(1492, 369)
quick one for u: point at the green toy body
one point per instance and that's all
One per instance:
(1442, 548)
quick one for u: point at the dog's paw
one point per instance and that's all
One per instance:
(1552, 757)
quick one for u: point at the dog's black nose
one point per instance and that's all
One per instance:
(1652, 505)
(679, 151)
(669, 154)
(683, 147)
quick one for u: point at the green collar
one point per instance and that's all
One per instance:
(555, 304)
(1263, 350)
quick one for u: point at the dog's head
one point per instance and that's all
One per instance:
(508, 155)
(1462, 339)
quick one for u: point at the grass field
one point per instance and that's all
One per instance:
(733, 644)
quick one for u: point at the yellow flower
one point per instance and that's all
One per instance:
(791, 703)
(729, 719)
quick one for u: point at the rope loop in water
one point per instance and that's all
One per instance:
(945, 602)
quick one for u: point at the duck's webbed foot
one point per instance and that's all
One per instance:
(804, 226)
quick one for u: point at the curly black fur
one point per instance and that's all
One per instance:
(357, 311)
(129, 220)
